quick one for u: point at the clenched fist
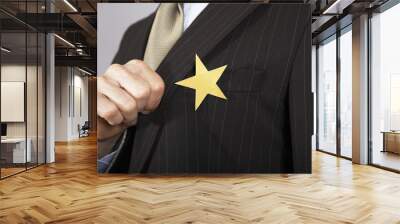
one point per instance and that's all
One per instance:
(123, 92)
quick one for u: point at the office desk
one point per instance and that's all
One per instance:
(391, 141)
(13, 150)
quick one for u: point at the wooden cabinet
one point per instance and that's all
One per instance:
(391, 142)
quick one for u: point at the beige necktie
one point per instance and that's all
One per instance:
(165, 31)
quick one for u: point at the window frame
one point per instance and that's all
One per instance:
(333, 37)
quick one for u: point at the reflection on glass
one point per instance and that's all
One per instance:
(15, 151)
(385, 87)
(327, 96)
(346, 94)
(22, 92)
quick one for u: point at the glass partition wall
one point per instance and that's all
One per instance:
(327, 95)
(22, 78)
(385, 89)
(334, 90)
(334, 94)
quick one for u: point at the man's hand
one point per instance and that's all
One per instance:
(123, 92)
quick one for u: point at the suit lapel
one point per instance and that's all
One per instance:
(134, 41)
(207, 30)
(140, 42)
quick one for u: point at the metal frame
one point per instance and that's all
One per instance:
(316, 96)
(338, 95)
(44, 71)
(26, 90)
(45, 89)
(369, 77)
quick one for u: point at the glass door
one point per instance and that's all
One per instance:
(346, 76)
(326, 59)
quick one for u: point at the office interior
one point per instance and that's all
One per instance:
(356, 86)
(48, 83)
(47, 91)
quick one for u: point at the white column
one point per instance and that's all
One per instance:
(50, 98)
(360, 90)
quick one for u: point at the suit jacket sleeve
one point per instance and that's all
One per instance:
(300, 101)
(132, 46)
(122, 147)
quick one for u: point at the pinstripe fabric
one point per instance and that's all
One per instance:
(263, 127)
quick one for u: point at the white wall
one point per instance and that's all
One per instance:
(71, 92)
(61, 103)
(12, 73)
(81, 104)
(112, 21)
(314, 90)
(33, 126)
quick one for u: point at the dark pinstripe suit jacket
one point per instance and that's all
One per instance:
(263, 127)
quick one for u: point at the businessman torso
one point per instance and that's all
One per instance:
(263, 126)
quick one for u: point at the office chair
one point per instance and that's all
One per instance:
(84, 130)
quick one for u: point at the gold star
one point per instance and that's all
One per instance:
(204, 82)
